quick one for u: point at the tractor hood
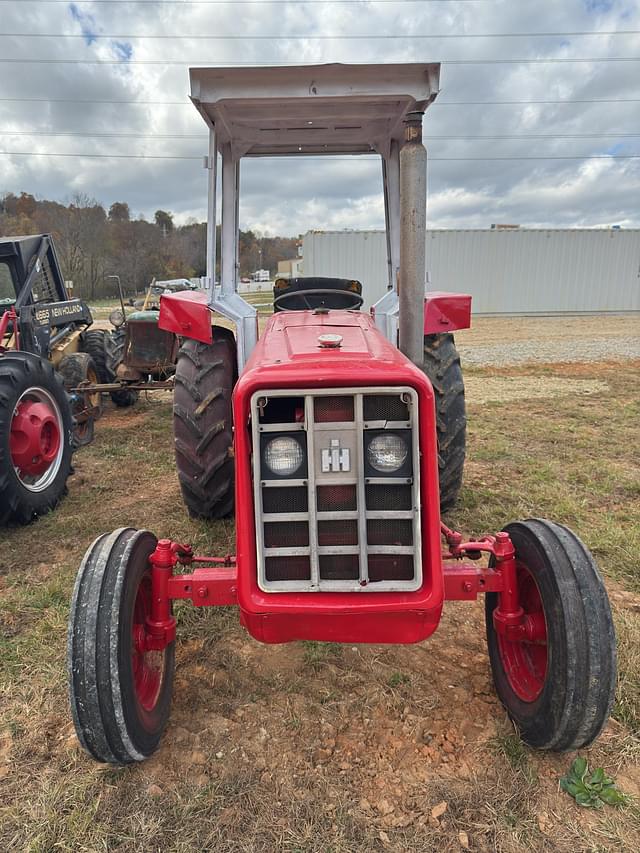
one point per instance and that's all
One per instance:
(336, 347)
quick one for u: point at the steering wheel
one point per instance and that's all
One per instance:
(281, 299)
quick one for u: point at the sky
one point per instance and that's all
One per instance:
(63, 65)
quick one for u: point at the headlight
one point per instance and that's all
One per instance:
(387, 452)
(116, 318)
(283, 456)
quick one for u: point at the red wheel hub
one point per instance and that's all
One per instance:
(35, 438)
(525, 660)
(148, 665)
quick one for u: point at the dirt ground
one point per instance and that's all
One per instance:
(317, 747)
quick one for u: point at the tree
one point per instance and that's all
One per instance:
(164, 221)
(119, 212)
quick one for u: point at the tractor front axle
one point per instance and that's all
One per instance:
(216, 585)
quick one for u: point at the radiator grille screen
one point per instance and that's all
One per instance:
(337, 533)
(339, 567)
(287, 568)
(333, 409)
(335, 498)
(285, 499)
(381, 497)
(390, 567)
(283, 534)
(390, 532)
(385, 407)
(325, 526)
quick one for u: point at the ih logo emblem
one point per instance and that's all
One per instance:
(335, 459)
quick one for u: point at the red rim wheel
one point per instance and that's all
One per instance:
(120, 689)
(558, 686)
(148, 665)
(524, 662)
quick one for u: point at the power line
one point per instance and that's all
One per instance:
(206, 63)
(334, 159)
(438, 103)
(316, 37)
(429, 136)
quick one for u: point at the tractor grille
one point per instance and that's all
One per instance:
(331, 512)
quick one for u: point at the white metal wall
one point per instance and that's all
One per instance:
(520, 271)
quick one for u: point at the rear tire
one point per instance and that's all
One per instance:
(442, 366)
(94, 342)
(86, 408)
(120, 695)
(203, 424)
(559, 695)
(115, 354)
(23, 496)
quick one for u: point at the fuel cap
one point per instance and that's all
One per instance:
(330, 341)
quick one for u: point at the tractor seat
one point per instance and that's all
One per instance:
(312, 292)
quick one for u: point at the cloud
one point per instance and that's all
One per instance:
(288, 196)
(87, 23)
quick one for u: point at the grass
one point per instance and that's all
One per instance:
(326, 748)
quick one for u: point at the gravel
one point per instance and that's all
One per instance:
(550, 351)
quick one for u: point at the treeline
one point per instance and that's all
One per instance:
(93, 242)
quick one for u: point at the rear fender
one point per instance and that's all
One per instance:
(445, 312)
(186, 314)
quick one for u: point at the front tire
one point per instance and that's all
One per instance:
(558, 693)
(120, 693)
(115, 343)
(442, 366)
(35, 438)
(203, 424)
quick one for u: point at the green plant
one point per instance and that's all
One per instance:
(591, 791)
(398, 679)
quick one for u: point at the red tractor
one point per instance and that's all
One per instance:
(327, 436)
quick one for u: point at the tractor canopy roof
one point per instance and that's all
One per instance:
(312, 109)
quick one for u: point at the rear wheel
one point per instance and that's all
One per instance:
(558, 690)
(203, 424)
(442, 366)
(86, 407)
(115, 354)
(35, 437)
(120, 691)
(94, 342)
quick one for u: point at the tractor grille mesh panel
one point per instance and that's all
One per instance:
(282, 534)
(335, 498)
(337, 533)
(385, 407)
(339, 567)
(287, 568)
(325, 527)
(330, 409)
(384, 567)
(285, 499)
(381, 497)
(390, 532)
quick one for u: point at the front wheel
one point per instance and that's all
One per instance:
(115, 349)
(558, 690)
(120, 691)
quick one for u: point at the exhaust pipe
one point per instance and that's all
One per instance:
(413, 235)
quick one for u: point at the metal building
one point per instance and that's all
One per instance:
(510, 271)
